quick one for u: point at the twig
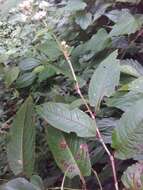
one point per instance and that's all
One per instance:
(64, 48)
(96, 175)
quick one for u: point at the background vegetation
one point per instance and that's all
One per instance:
(71, 94)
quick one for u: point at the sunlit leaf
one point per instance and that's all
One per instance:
(60, 116)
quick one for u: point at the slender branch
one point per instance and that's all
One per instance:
(96, 175)
(64, 48)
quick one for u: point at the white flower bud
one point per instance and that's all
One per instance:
(39, 15)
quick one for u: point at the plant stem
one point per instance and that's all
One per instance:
(98, 134)
(96, 175)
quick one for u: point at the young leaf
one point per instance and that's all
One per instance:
(133, 177)
(60, 116)
(70, 153)
(127, 138)
(104, 80)
(21, 145)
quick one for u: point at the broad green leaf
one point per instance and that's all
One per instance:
(50, 49)
(127, 24)
(10, 75)
(132, 178)
(25, 80)
(70, 153)
(124, 101)
(75, 5)
(21, 145)
(18, 184)
(28, 64)
(127, 138)
(60, 116)
(104, 80)
(84, 20)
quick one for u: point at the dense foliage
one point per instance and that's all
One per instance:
(71, 94)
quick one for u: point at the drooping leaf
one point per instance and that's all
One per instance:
(70, 153)
(124, 101)
(104, 80)
(132, 178)
(18, 184)
(21, 145)
(60, 116)
(127, 24)
(127, 137)
(10, 75)
(28, 64)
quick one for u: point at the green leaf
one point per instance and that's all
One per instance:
(124, 101)
(21, 145)
(60, 116)
(10, 75)
(84, 20)
(136, 85)
(75, 5)
(127, 138)
(131, 67)
(127, 24)
(37, 181)
(129, 1)
(104, 80)
(28, 64)
(70, 153)
(132, 178)
(97, 43)
(46, 73)
(100, 8)
(25, 80)
(18, 184)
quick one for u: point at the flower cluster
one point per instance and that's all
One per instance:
(33, 9)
